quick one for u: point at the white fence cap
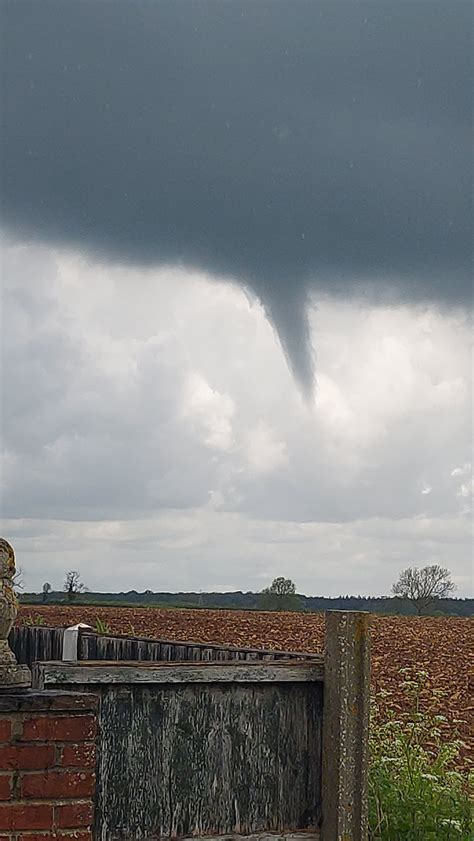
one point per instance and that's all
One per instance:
(70, 641)
(79, 625)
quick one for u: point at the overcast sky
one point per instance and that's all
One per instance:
(236, 292)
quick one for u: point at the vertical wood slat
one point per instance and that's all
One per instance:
(346, 727)
(31, 642)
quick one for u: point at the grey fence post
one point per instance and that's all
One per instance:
(346, 727)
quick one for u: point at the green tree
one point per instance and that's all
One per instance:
(281, 595)
(423, 587)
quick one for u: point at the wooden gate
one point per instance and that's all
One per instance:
(231, 748)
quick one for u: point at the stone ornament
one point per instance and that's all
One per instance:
(12, 675)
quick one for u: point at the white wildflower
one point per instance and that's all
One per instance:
(452, 823)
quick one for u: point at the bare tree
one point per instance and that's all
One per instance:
(281, 595)
(423, 587)
(73, 585)
(17, 581)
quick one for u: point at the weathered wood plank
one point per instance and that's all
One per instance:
(101, 672)
(190, 760)
(263, 836)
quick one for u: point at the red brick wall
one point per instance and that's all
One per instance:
(47, 765)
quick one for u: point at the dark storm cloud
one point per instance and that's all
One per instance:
(291, 145)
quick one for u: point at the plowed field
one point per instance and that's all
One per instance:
(442, 646)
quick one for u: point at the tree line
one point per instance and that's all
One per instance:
(422, 591)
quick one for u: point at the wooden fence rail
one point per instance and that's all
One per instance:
(108, 647)
(32, 643)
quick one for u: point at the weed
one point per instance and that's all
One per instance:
(416, 792)
(36, 620)
(102, 627)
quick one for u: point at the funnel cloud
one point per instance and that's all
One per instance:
(295, 148)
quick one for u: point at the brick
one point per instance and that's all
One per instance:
(81, 701)
(79, 756)
(35, 836)
(5, 786)
(78, 728)
(30, 816)
(73, 835)
(58, 784)
(36, 702)
(5, 730)
(73, 815)
(26, 757)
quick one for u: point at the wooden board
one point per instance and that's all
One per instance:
(207, 759)
(264, 836)
(102, 672)
(313, 835)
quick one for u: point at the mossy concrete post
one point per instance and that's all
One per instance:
(346, 727)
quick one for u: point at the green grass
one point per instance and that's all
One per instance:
(416, 792)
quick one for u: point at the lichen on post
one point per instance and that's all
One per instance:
(12, 675)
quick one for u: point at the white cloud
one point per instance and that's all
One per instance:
(465, 470)
(212, 411)
(466, 490)
(264, 451)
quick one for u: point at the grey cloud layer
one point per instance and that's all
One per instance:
(292, 146)
(117, 410)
